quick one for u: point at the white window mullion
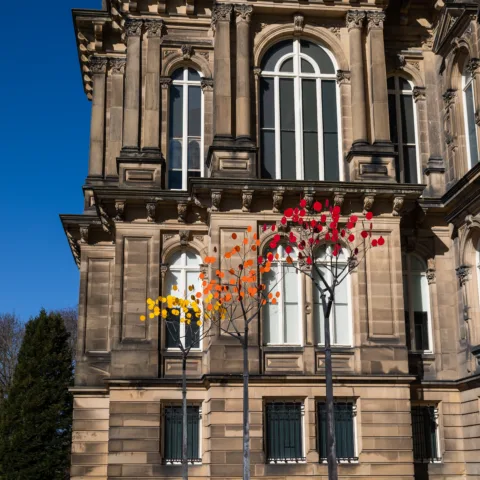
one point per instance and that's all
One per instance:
(185, 136)
(321, 156)
(297, 102)
(202, 134)
(278, 145)
(281, 281)
(398, 106)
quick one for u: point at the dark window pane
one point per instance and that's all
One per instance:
(176, 110)
(410, 164)
(192, 333)
(194, 111)
(421, 330)
(175, 154)
(193, 174)
(284, 432)
(408, 123)
(172, 322)
(392, 113)
(268, 153)
(330, 130)
(178, 74)
(173, 434)
(424, 429)
(267, 96)
(472, 128)
(193, 75)
(318, 54)
(391, 83)
(175, 179)
(272, 56)
(310, 130)
(404, 84)
(287, 128)
(307, 67)
(287, 66)
(194, 155)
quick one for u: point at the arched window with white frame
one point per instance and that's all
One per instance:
(186, 128)
(471, 136)
(417, 304)
(403, 129)
(282, 320)
(299, 113)
(340, 315)
(183, 271)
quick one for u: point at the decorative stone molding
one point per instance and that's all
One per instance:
(206, 84)
(184, 237)
(309, 197)
(74, 247)
(120, 210)
(338, 199)
(419, 94)
(343, 77)
(368, 202)
(98, 64)
(117, 65)
(165, 82)
(205, 55)
(477, 118)
(187, 51)
(154, 28)
(431, 272)
(167, 53)
(298, 24)
(243, 12)
(355, 19)
(104, 220)
(247, 198)
(163, 271)
(216, 197)
(221, 12)
(278, 200)
(449, 97)
(463, 274)
(398, 203)
(182, 209)
(472, 66)
(257, 72)
(133, 28)
(151, 211)
(84, 234)
(375, 20)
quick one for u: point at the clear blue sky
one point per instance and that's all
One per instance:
(44, 138)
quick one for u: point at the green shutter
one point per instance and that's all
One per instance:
(173, 434)
(424, 430)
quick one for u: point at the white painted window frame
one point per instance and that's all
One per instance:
(407, 273)
(467, 80)
(182, 291)
(185, 84)
(297, 89)
(398, 93)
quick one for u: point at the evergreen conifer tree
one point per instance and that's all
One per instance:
(35, 427)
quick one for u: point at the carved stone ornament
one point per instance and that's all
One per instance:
(151, 211)
(243, 12)
(205, 55)
(133, 28)
(182, 212)
(163, 271)
(375, 20)
(463, 274)
(117, 65)
(187, 51)
(277, 200)
(397, 205)
(477, 118)
(120, 210)
(449, 97)
(338, 199)
(84, 234)
(419, 93)
(165, 82)
(309, 197)
(206, 84)
(105, 220)
(355, 19)
(431, 272)
(368, 202)
(257, 72)
(343, 77)
(98, 64)
(298, 24)
(154, 28)
(472, 66)
(221, 12)
(247, 198)
(184, 237)
(167, 53)
(216, 200)
(74, 247)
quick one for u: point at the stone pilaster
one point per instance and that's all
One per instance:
(243, 101)
(131, 124)
(98, 68)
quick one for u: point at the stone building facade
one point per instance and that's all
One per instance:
(208, 118)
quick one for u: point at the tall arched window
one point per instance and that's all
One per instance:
(469, 116)
(340, 317)
(403, 129)
(417, 304)
(283, 321)
(185, 144)
(299, 121)
(183, 271)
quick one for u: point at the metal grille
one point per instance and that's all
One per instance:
(344, 431)
(284, 432)
(173, 434)
(424, 427)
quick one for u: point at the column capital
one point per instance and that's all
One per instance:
(117, 65)
(243, 12)
(419, 93)
(375, 20)
(165, 82)
(154, 28)
(221, 12)
(133, 28)
(98, 64)
(355, 19)
(206, 84)
(343, 77)
(472, 66)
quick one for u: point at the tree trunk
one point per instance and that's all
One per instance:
(331, 443)
(246, 424)
(184, 420)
